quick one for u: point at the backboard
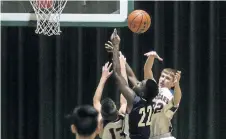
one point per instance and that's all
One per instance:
(91, 13)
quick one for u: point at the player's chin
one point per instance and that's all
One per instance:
(161, 86)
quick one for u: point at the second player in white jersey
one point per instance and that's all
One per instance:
(110, 117)
(113, 129)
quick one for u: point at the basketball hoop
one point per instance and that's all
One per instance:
(48, 15)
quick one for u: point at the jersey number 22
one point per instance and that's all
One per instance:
(142, 111)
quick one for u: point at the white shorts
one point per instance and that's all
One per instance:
(164, 136)
(168, 138)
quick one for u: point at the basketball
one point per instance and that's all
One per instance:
(139, 21)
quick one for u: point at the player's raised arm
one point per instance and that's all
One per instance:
(123, 102)
(131, 76)
(128, 93)
(171, 108)
(148, 74)
(106, 73)
(177, 89)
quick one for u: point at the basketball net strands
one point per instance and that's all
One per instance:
(48, 15)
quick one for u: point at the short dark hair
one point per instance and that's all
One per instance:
(108, 109)
(151, 90)
(85, 119)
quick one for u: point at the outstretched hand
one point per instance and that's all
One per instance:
(114, 43)
(177, 78)
(153, 54)
(115, 39)
(109, 46)
(106, 73)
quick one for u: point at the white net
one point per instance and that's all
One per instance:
(48, 16)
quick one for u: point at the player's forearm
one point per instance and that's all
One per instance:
(122, 84)
(116, 62)
(129, 71)
(177, 94)
(99, 90)
(124, 89)
(123, 108)
(148, 74)
(122, 98)
(123, 104)
(131, 76)
(124, 75)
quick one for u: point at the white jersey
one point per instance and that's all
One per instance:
(163, 98)
(163, 113)
(113, 130)
(161, 121)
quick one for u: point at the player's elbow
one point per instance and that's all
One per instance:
(148, 75)
(95, 101)
(123, 103)
(177, 98)
(177, 101)
(122, 109)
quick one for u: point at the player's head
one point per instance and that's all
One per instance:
(167, 78)
(109, 110)
(148, 89)
(84, 121)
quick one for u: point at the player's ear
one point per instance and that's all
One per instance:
(73, 129)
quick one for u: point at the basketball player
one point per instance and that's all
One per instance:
(84, 122)
(166, 82)
(111, 118)
(169, 79)
(167, 98)
(167, 101)
(139, 109)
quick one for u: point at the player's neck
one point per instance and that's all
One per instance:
(115, 119)
(164, 87)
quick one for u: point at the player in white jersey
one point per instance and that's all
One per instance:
(167, 101)
(111, 118)
(161, 118)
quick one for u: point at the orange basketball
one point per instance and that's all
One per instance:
(139, 21)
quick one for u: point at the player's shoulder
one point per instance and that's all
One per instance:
(138, 102)
(121, 116)
(117, 122)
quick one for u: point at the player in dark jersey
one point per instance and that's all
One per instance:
(84, 122)
(139, 109)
